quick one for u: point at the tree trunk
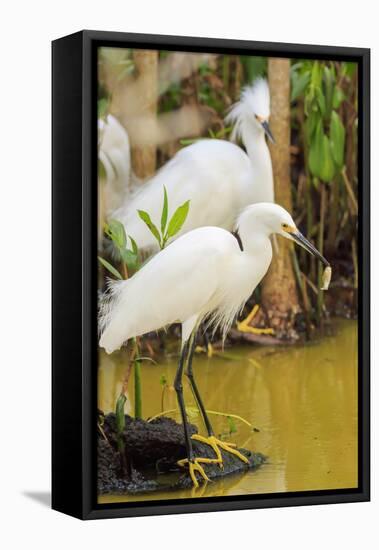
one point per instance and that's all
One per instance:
(144, 156)
(279, 293)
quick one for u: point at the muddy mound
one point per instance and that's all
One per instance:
(147, 458)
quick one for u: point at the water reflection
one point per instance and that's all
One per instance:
(303, 401)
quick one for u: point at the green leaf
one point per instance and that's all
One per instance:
(224, 132)
(329, 82)
(164, 211)
(129, 258)
(337, 139)
(163, 380)
(110, 268)
(327, 165)
(316, 77)
(320, 98)
(349, 68)
(320, 158)
(146, 218)
(311, 124)
(299, 83)
(188, 141)
(315, 150)
(338, 97)
(116, 231)
(309, 100)
(178, 219)
(134, 245)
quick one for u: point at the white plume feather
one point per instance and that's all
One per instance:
(255, 100)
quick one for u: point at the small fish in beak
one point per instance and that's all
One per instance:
(308, 246)
(326, 276)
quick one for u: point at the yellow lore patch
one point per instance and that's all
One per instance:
(289, 228)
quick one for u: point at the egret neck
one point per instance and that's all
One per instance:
(254, 233)
(259, 154)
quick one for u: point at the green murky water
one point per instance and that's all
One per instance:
(303, 401)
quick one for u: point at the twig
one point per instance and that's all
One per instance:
(350, 191)
(161, 414)
(207, 411)
(125, 271)
(102, 433)
(310, 284)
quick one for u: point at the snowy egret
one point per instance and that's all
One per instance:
(217, 176)
(114, 154)
(205, 275)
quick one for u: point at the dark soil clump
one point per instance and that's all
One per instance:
(149, 460)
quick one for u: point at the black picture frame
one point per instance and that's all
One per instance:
(74, 332)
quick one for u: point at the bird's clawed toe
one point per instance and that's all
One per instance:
(217, 445)
(244, 326)
(194, 465)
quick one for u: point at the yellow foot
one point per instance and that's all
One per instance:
(244, 326)
(209, 350)
(217, 444)
(195, 466)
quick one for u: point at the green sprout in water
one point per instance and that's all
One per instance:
(232, 425)
(170, 229)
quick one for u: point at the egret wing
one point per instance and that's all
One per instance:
(173, 286)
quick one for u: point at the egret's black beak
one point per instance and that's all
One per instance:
(267, 130)
(302, 241)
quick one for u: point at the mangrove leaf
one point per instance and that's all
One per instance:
(146, 218)
(110, 267)
(337, 139)
(315, 150)
(178, 219)
(327, 164)
(299, 84)
(164, 211)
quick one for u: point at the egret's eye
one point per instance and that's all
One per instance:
(288, 228)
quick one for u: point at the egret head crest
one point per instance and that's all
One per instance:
(253, 108)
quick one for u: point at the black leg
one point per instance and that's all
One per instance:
(178, 385)
(206, 338)
(207, 342)
(189, 374)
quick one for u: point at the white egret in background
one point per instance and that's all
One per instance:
(114, 154)
(217, 176)
(205, 275)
